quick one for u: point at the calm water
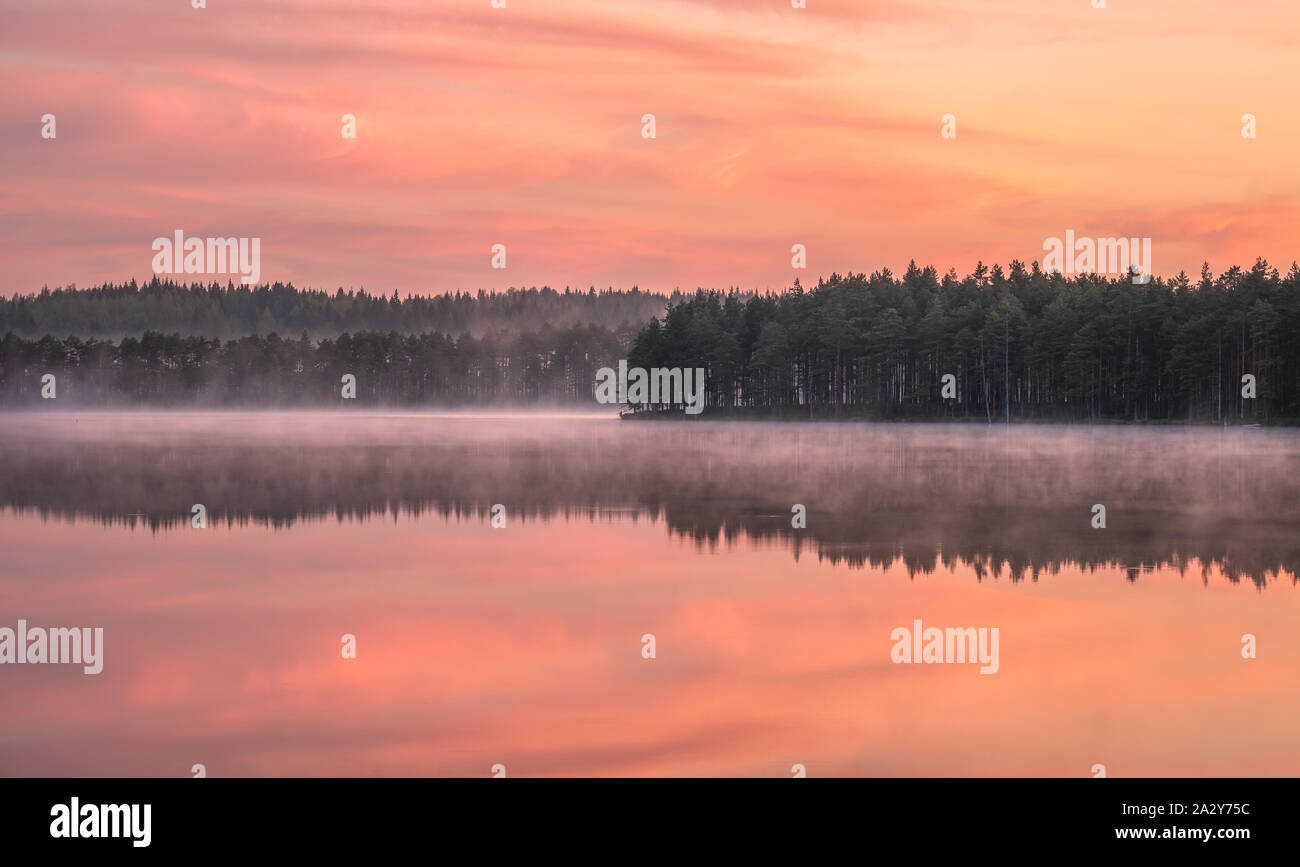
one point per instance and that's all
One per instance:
(523, 645)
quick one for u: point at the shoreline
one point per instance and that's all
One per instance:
(963, 421)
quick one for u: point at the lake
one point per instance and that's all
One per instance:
(526, 645)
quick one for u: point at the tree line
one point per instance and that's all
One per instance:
(1018, 343)
(127, 309)
(545, 366)
(997, 344)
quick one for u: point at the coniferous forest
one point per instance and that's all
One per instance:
(213, 310)
(998, 343)
(1018, 343)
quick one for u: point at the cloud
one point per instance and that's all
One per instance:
(521, 126)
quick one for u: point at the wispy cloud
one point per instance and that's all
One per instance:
(521, 126)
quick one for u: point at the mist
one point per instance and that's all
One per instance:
(1013, 502)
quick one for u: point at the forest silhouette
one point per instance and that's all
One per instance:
(1014, 344)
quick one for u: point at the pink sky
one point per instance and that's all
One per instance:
(522, 126)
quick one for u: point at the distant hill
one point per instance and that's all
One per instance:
(112, 311)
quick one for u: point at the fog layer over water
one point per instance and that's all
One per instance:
(1009, 501)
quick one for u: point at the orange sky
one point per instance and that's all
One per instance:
(521, 126)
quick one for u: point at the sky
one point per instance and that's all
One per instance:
(522, 126)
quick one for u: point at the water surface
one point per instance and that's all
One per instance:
(522, 645)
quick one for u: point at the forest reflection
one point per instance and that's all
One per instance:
(1014, 503)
